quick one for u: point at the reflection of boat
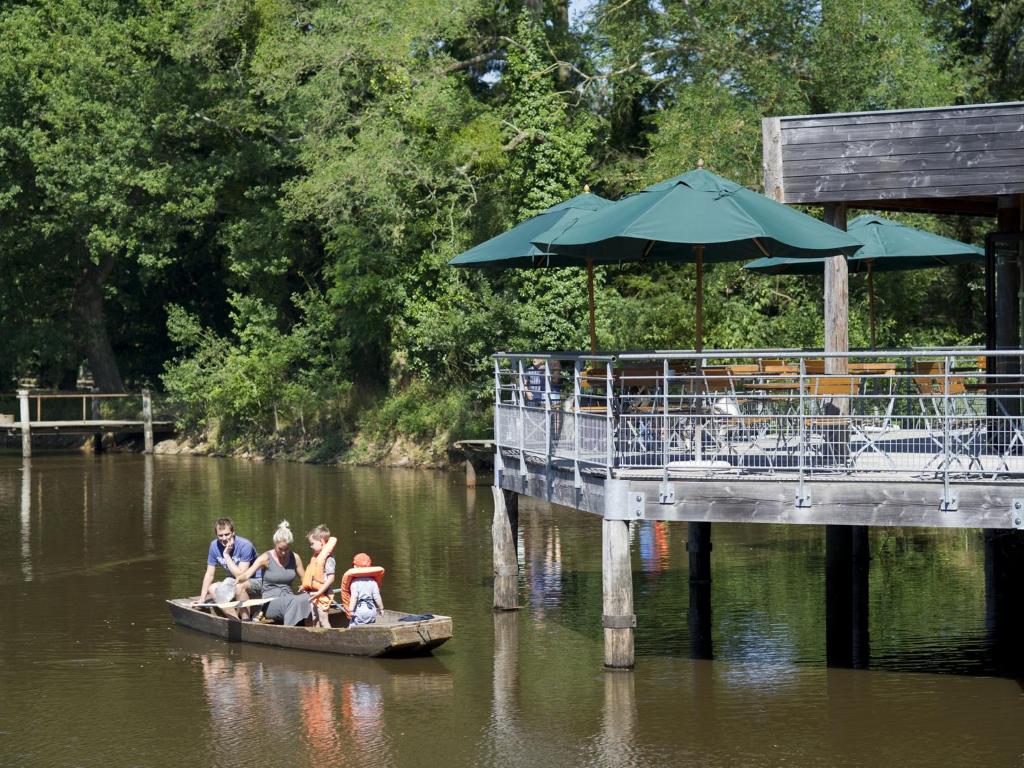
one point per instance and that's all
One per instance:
(387, 637)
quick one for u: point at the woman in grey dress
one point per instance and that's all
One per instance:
(280, 567)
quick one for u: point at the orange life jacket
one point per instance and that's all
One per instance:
(313, 578)
(374, 572)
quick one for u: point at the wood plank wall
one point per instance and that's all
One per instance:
(955, 152)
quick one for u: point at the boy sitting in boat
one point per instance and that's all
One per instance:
(234, 554)
(319, 576)
(360, 591)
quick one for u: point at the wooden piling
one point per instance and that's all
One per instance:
(26, 429)
(617, 583)
(504, 532)
(698, 549)
(147, 420)
(470, 474)
(838, 595)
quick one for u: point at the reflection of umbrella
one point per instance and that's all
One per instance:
(694, 217)
(515, 247)
(888, 246)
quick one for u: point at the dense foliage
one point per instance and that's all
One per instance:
(252, 202)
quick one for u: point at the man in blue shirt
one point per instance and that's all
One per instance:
(234, 554)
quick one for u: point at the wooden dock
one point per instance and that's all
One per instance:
(90, 423)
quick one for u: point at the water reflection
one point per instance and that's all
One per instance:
(616, 745)
(506, 735)
(26, 519)
(544, 556)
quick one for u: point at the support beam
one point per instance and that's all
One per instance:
(26, 429)
(1004, 603)
(860, 597)
(838, 595)
(504, 532)
(837, 297)
(698, 548)
(617, 587)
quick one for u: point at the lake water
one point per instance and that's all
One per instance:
(94, 673)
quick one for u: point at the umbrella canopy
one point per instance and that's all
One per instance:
(515, 247)
(695, 217)
(888, 246)
(674, 219)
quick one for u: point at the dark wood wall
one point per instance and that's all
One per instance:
(954, 159)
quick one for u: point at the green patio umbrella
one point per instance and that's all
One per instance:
(887, 246)
(695, 217)
(515, 247)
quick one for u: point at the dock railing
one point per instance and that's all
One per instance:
(930, 415)
(99, 410)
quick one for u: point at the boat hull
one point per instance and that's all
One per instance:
(388, 637)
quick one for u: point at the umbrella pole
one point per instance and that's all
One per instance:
(871, 304)
(590, 297)
(698, 251)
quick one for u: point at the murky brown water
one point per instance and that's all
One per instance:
(93, 672)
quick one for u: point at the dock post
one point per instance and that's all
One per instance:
(470, 474)
(860, 597)
(617, 582)
(26, 429)
(504, 532)
(698, 548)
(147, 419)
(839, 595)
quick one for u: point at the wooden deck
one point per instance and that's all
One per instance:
(843, 499)
(86, 427)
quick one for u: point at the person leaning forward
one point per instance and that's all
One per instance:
(234, 554)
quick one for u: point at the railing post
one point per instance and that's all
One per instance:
(802, 426)
(609, 419)
(547, 410)
(946, 457)
(147, 420)
(576, 386)
(39, 408)
(522, 417)
(665, 430)
(26, 430)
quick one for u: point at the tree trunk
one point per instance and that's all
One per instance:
(88, 309)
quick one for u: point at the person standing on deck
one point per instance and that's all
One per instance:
(234, 554)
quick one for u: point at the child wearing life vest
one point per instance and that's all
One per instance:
(319, 575)
(360, 591)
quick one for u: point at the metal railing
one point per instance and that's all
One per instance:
(936, 414)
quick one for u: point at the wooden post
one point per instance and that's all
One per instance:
(838, 595)
(837, 297)
(698, 548)
(470, 474)
(504, 532)
(590, 297)
(771, 136)
(860, 597)
(871, 303)
(698, 253)
(147, 419)
(617, 587)
(26, 429)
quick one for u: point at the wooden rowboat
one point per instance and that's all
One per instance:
(387, 637)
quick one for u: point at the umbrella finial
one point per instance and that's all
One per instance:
(586, 188)
(700, 162)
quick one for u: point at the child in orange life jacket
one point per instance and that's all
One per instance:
(319, 575)
(360, 591)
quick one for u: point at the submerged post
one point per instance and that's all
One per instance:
(504, 531)
(26, 429)
(147, 420)
(617, 587)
